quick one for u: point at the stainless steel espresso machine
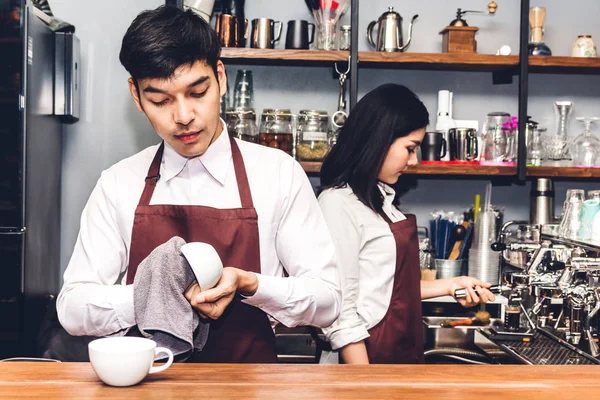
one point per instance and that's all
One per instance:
(553, 290)
(552, 287)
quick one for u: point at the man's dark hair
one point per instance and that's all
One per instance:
(161, 40)
(383, 115)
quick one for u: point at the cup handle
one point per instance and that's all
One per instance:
(278, 36)
(444, 148)
(246, 25)
(166, 365)
(312, 35)
(475, 148)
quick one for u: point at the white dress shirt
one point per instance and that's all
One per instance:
(293, 236)
(366, 256)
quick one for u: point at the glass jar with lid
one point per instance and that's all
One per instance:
(241, 123)
(277, 129)
(313, 140)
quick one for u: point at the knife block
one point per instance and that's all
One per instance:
(459, 39)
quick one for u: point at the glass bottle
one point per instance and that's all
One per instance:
(312, 142)
(585, 149)
(536, 46)
(535, 150)
(243, 93)
(556, 145)
(241, 124)
(277, 129)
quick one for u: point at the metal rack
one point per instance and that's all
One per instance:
(501, 74)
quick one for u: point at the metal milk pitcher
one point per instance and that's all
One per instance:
(389, 32)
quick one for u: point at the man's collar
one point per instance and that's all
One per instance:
(216, 159)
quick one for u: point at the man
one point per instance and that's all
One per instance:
(254, 204)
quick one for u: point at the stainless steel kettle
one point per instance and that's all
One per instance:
(389, 33)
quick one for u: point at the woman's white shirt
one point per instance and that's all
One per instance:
(366, 254)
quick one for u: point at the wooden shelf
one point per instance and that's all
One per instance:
(437, 61)
(563, 172)
(564, 65)
(436, 169)
(313, 167)
(467, 170)
(240, 55)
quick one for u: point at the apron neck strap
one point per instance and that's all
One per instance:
(238, 165)
(385, 217)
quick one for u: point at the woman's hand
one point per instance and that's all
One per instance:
(471, 285)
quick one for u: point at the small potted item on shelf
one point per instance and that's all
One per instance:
(584, 46)
(458, 36)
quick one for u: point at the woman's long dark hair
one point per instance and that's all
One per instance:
(383, 115)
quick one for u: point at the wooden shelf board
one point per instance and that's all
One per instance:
(437, 61)
(430, 169)
(563, 172)
(240, 55)
(560, 64)
(454, 169)
(483, 170)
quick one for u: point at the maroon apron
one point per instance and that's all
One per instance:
(243, 333)
(398, 337)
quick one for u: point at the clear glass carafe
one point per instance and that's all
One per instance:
(556, 145)
(571, 219)
(585, 149)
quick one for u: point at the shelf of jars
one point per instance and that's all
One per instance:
(564, 65)
(241, 55)
(437, 61)
(437, 169)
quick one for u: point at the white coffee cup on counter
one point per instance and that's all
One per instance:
(205, 263)
(125, 360)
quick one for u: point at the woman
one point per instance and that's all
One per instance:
(376, 244)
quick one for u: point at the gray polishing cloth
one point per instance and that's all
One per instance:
(162, 312)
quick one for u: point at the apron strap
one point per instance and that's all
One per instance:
(240, 175)
(238, 165)
(385, 217)
(152, 177)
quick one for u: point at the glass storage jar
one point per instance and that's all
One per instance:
(277, 129)
(241, 123)
(313, 140)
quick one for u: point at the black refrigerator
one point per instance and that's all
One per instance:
(30, 175)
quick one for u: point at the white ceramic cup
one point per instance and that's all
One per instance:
(204, 8)
(205, 262)
(125, 360)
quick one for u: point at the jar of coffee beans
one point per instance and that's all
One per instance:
(277, 129)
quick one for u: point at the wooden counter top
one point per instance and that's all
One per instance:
(19, 380)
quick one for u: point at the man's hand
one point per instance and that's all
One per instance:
(211, 303)
(471, 285)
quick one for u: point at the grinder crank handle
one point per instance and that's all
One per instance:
(462, 293)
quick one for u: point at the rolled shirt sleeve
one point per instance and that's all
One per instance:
(345, 229)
